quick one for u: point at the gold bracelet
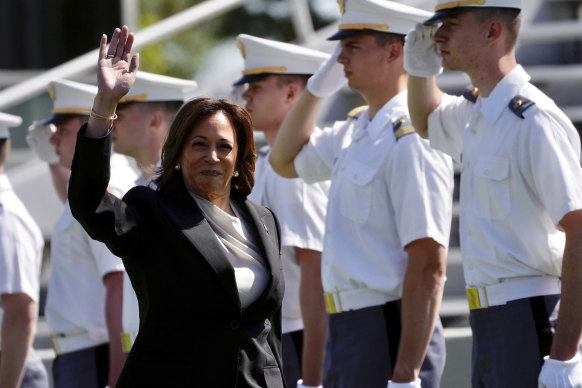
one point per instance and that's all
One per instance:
(96, 115)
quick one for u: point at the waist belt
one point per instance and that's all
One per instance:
(63, 343)
(519, 288)
(127, 339)
(340, 301)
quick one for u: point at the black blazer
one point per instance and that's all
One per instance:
(192, 330)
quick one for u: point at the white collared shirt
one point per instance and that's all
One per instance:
(21, 245)
(76, 293)
(519, 178)
(384, 194)
(300, 209)
(241, 249)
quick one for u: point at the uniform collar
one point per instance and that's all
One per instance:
(4, 183)
(381, 121)
(505, 90)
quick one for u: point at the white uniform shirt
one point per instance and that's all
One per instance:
(76, 293)
(300, 209)
(384, 194)
(519, 178)
(21, 245)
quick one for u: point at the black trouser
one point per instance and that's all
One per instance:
(85, 368)
(362, 346)
(510, 341)
(292, 344)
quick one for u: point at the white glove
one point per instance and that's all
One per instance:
(421, 58)
(413, 384)
(301, 385)
(329, 78)
(38, 140)
(561, 374)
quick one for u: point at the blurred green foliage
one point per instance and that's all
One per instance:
(182, 55)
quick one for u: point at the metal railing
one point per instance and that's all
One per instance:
(172, 25)
(29, 87)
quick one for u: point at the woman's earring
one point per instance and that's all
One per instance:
(177, 167)
(235, 174)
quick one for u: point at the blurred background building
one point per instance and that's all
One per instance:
(192, 39)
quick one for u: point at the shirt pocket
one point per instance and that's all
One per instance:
(492, 187)
(356, 191)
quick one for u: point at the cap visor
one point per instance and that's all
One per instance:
(445, 13)
(247, 79)
(57, 119)
(342, 34)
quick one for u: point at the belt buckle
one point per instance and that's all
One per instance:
(475, 299)
(126, 342)
(330, 304)
(55, 344)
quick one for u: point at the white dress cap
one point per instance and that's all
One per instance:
(154, 87)
(70, 98)
(8, 121)
(360, 16)
(447, 8)
(264, 56)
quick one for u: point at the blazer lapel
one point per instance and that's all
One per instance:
(188, 218)
(268, 232)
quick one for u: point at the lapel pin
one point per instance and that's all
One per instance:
(265, 227)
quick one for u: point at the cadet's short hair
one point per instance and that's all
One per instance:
(385, 38)
(509, 17)
(286, 79)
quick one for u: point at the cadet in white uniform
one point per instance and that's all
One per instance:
(83, 307)
(276, 74)
(389, 211)
(521, 194)
(145, 114)
(21, 245)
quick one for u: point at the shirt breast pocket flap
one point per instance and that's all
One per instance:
(492, 190)
(496, 169)
(356, 191)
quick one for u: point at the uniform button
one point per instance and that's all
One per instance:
(234, 325)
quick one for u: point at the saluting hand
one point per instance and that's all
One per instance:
(117, 69)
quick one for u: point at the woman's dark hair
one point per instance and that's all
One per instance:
(189, 117)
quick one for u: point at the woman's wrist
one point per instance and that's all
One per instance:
(105, 104)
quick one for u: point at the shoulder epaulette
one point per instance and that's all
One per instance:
(471, 94)
(402, 127)
(519, 104)
(353, 114)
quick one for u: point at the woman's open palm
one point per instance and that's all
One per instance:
(117, 69)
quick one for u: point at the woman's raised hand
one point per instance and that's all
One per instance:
(117, 68)
(116, 71)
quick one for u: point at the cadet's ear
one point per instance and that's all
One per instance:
(293, 92)
(494, 30)
(157, 119)
(395, 51)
